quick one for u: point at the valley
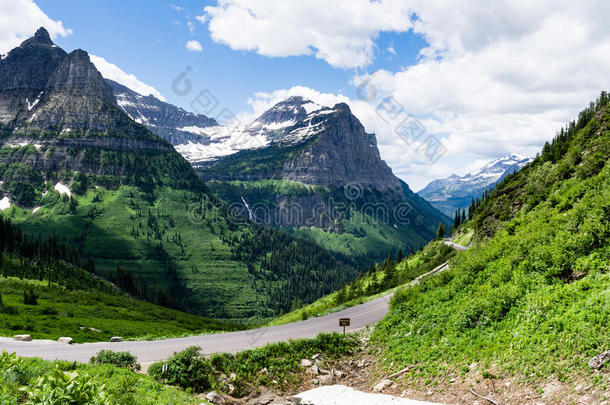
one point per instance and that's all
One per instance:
(155, 255)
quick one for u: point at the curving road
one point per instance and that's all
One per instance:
(155, 350)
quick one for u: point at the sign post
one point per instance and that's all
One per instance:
(344, 322)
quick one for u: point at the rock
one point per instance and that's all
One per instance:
(215, 398)
(94, 330)
(382, 385)
(598, 361)
(294, 400)
(324, 371)
(315, 370)
(325, 379)
(315, 381)
(65, 339)
(361, 363)
(231, 389)
(339, 373)
(233, 376)
(315, 356)
(23, 338)
(305, 363)
(264, 371)
(116, 339)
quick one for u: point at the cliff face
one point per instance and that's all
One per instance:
(58, 114)
(171, 123)
(343, 153)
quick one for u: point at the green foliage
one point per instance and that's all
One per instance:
(36, 381)
(90, 316)
(118, 359)
(533, 299)
(187, 368)
(29, 297)
(60, 388)
(191, 370)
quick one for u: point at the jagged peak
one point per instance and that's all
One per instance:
(41, 37)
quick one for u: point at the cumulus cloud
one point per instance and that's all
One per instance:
(113, 72)
(193, 46)
(341, 32)
(19, 19)
(201, 18)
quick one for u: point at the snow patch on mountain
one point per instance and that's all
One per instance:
(5, 204)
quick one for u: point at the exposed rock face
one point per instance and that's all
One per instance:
(57, 113)
(171, 123)
(336, 175)
(456, 192)
(342, 154)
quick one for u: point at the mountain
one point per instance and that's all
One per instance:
(536, 277)
(315, 171)
(171, 123)
(455, 192)
(75, 166)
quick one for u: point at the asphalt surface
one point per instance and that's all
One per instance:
(155, 350)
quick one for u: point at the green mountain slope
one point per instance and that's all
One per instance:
(531, 297)
(74, 165)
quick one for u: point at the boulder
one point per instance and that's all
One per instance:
(305, 363)
(215, 398)
(23, 338)
(325, 379)
(382, 385)
(315, 370)
(598, 361)
(116, 339)
(65, 339)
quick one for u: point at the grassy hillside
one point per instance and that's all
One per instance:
(90, 316)
(531, 298)
(380, 279)
(364, 228)
(180, 249)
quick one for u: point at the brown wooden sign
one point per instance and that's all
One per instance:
(344, 321)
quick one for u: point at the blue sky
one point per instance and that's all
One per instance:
(149, 41)
(483, 82)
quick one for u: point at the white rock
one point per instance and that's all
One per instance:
(116, 339)
(382, 385)
(215, 398)
(65, 339)
(23, 338)
(325, 379)
(305, 363)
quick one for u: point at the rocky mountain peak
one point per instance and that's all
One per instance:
(41, 37)
(292, 109)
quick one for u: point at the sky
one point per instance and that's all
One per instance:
(445, 86)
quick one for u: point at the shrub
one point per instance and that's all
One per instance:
(30, 297)
(187, 369)
(49, 311)
(59, 388)
(119, 359)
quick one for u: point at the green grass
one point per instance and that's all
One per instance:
(181, 249)
(119, 385)
(417, 264)
(531, 301)
(280, 360)
(80, 314)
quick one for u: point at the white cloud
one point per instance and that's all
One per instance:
(193, 46)
(341, 32)
(392, 50)
(176, 8)
(113, 72)
(190, 26)
(201, 18)
(19, 19)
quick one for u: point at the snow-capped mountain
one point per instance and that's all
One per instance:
(165, 120)
(456, 192)
(288, 122)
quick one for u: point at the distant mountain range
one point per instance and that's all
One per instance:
(307, 168)
(456, 192)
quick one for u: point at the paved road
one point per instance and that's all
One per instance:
(154, 350)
